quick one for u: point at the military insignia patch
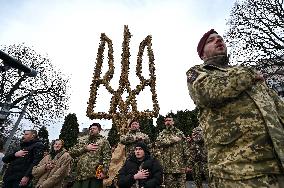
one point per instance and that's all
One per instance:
(191, 76)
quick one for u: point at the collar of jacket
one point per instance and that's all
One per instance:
(171, 128)
(29, 143)
(219, 61)
(134, 159)
(94, 137)
(134, 131)
(57, 154)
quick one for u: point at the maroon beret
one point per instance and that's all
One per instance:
(202, 41)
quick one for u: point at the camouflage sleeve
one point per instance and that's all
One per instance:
(145, 138)
(185, 149)
(191, 153)
(127, 139)
(187, 153)
(216, 87)
(106, 156)
(164, 140)
(279, 103)
(77, 150)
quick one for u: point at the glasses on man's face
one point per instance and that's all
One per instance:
(168, 120)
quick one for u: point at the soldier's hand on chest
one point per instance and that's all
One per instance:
(21, 153)
(92, 147)
(176, 138)
(140, 138)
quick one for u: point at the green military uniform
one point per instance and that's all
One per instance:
(88, 161)
(131, 138)
(241, 118)
(198, 158)
(173, 155)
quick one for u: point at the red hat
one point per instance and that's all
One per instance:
(202, 41)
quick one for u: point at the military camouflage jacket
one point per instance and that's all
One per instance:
(131, 138)
(198, 152)
(174, 156)
(88, 161)
(242, 120)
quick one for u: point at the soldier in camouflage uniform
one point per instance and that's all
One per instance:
(92, 151)
(242, 119)
(172, 151)
(198, 156)
(133, 136)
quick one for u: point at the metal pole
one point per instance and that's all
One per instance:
(4, 113)
(12, 133)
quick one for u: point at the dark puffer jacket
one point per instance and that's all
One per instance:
(22, 166)
(131, 167)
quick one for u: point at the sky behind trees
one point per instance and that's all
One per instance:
(69, 32)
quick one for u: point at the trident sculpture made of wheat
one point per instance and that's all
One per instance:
(120, 110)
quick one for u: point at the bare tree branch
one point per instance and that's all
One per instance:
(256, 30)
(50, 99)
(256, 37)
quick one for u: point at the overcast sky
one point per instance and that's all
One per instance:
(68, 31)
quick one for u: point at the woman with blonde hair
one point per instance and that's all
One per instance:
(53, 168)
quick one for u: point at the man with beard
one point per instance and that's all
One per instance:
(242, 119)
(133, 136)
(22, 161)
(173, 153)
(140, 170)
(93, 154)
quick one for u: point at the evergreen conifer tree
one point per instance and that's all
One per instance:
(43, 136)
(160, 125)
(147, 127)
(70, 130)
(185, 121)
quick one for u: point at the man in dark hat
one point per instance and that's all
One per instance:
(93, 154)
(242, 119)
(140, 170)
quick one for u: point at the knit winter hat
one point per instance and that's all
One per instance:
(143, 146)
(202, 41)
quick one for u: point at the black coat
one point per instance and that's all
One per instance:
(22, 166)
(131, 167)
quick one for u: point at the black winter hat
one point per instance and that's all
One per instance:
(143, 146)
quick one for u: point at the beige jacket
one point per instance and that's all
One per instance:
(52, 178)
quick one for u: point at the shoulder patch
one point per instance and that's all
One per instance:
(192, 75)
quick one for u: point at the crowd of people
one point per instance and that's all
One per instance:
(239, 141)
(149, 165)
